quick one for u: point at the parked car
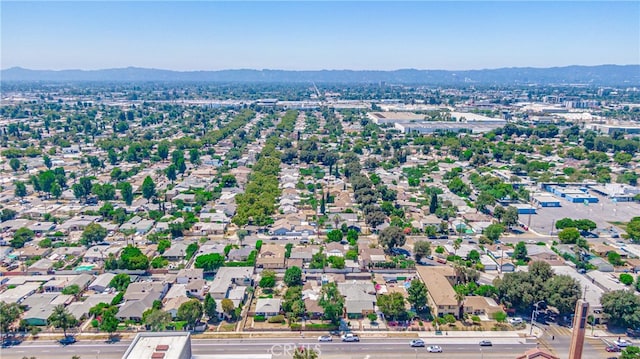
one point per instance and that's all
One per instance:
(633, 333)
(325, 338)
(622, 343)
(434, 349)
(515, 321)
(10, 342)
(67, 340)
(486, 343)
(350, 337)
(417, 343)
(613, 348)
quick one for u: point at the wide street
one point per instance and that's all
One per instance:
(281, 348)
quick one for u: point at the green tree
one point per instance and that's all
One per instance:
(569, 235)
(56, 190)
(209, 262)
(562, 292)
(630, 352)
(337, 262)
(334, 236)
(615, 259)
(132, 258)
(510, 217)
(62, 319)
(109, 323)
(331, 302)
(210, 306)
(9, 313)
(392, 236)
(163, 150)
(190, 312)
(633, 229)
(163, 245)
(21, 189)
(520, 252)
(417, 295)
(93, 233)
(494, 231)
(267, 279)
(120, 282)
(500, 316)
(171, 172)
(148, 188)
(21, 236)
(433, 203)
(622, 308)
(392, 305)
(565, 223)
(293, 276)
(14, 163)
(421, 249)
(126, 191)
(156, 319)
(228, 307)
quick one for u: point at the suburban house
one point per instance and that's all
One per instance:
(360, 298)
(268, 307)
(101, 283)
(271, 256)
(442, 296)
(140, 297)
(476, 305)
(229, 278)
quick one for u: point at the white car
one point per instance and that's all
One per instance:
(622, 343)
(350, 337)
(434, 349)
(325, 338)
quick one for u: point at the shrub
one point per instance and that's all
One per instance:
(277, 319)
(259, 318)
(626, 279)
(296, 326)
(321, 326)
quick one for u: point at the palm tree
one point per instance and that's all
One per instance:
(61, 318)
(460, 299)
(456, 245)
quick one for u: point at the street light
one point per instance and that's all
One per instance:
(481, 354)
(533, 312)
(416, 352)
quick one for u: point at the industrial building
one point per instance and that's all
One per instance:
(572, 194)
(544, 200)
(617, 192)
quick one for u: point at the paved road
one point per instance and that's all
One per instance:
(281, 348)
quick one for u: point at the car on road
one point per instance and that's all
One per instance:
(325, 338)
(10, 342)
(335, 332)
(622, 343)
(417, 343)
(350, 337)
(68, 340)
(434, 349)
(613, 348)
(486, 343)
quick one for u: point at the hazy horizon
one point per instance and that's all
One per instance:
(311, 36)
(310, 70)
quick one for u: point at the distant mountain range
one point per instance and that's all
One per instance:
(620, 75)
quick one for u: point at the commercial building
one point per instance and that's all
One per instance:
(572, 194)
(160, 346)
(544, 200)
(617, 192)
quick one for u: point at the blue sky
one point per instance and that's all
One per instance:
(209, 35)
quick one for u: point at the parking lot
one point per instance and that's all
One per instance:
(602, 213)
